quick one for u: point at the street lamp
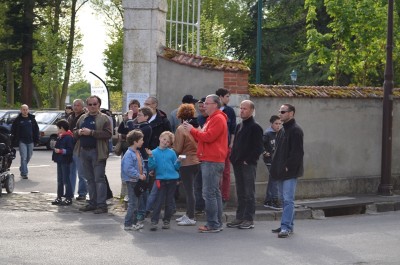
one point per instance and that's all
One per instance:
(293, 76)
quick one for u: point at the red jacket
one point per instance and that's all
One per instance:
(213, 138)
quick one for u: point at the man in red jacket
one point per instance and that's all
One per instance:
(212, 150)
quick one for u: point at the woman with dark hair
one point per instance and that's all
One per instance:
(186, 147)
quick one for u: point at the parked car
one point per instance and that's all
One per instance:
(47, 120)
(7, 117)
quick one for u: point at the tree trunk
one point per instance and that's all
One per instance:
(27, 57)
(10, 83)
(70, 48)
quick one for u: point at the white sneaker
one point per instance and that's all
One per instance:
(138, 226)
(182, 218)
(187, 222)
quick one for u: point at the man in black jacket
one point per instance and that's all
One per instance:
(247, 148)
(287, 166)
(158, 122)
(25, 133)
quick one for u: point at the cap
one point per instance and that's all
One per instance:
(189, 99)
(202, 100)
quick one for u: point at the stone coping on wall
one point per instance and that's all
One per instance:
(318, 91)
(204, 62)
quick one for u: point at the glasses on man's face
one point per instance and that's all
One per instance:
(92, 104)
(208, 103)
(282, 111)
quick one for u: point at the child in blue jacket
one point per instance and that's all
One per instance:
(62, 155)
(133, 170)
(166, 165)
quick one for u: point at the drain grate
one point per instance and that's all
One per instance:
(348, 210)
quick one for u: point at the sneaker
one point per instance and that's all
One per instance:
(128, 228)
(199, 212)
(165, 225)
(277, 230)
(235, 223)
(138, 226)
(267, 204)
(57, 201)
(80, 198)
(24, 176)
(87, 208)
(66, 202)
(246, 225)
(153, 227)
(284, 233)
(276, 206)
(187, 222)
(182, 218)
(206, 229)
(100, 210)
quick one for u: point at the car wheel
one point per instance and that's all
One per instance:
(9, 183)
(51, 143)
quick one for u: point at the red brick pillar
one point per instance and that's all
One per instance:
(237, 82)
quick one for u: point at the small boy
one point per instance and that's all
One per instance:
(166, 164)
(133, 170)
(271, 195)
(62, 155)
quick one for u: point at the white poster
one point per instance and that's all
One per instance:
(97, 88)
(141, 97)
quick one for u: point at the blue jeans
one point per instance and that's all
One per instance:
(287, 189)
(245, 177)
(211, 176)
(143, 198)
(272, 193)
(130, 217)
(25, 151)
(64, 181)
(152, 197)
(76, 165)
(165, 196)
(198, 186)
(94, 171)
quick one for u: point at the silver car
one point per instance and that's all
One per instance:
(47, 120)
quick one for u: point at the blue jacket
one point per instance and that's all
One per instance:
(130, 166)
(65, 142)
(165, 163)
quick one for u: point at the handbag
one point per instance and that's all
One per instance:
(120, 147)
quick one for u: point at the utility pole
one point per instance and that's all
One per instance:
(259, 42)
(385, 187)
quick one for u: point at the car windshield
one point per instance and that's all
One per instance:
(45, 117)
(2, 114)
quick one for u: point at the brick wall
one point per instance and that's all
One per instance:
(236, 82)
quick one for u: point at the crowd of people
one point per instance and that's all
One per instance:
(192, 147)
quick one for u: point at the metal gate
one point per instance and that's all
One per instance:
(183, 25)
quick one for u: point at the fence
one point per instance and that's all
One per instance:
(183, 25)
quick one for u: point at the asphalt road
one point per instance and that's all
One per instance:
(43, 173)
(85, 238)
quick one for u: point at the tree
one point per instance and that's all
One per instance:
(352, 44)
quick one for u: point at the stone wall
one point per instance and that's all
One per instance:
(342, 144)
(342, 136)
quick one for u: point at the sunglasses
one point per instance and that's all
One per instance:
(94, 104)
(283, 111)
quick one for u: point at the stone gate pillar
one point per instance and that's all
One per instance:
(144, 35)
